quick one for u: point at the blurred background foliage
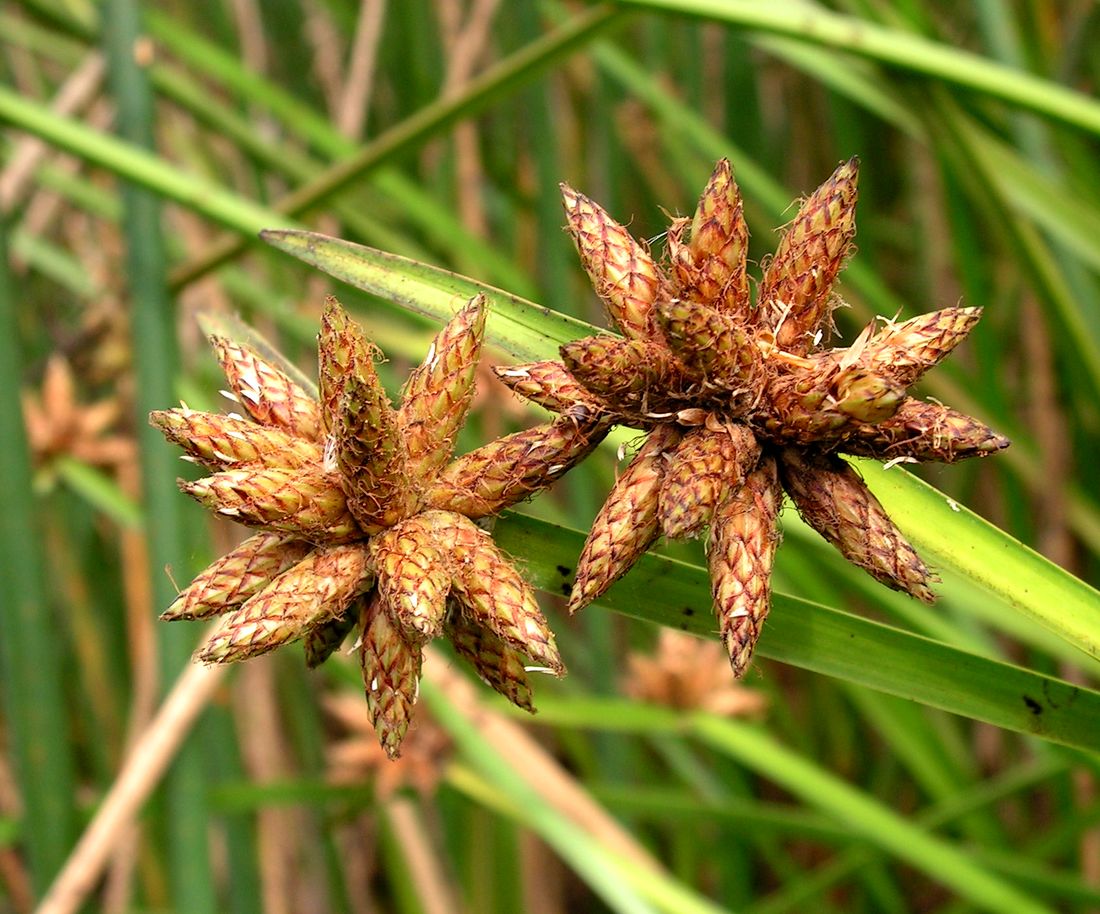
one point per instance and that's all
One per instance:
(143, 146)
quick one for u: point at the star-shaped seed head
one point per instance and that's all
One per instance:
(740, 402)
(365, 518)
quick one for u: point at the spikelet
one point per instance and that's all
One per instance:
(219, 441)
(706, 464)
(635, 376)
(744, 535)
(549, 385)
(391, 665)
(414, 576)
(342, 352)
(834, 500)
(716, 346)
(500, 666)
(710, 266)
(926, 431)
(321, 641)
(906, 350)
(794, 296)
(492, 591)
(437, 395)
(622, 271)
(269, 396)
(305, 502)
(318, 588)
(506, 471)
(627, 523)
(236, 576)
(371, 454)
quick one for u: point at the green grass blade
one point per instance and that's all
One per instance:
(864, 815)
(896, 48)
(958, 538)
(138, 165)
(677, 594)
(516, 326)
(622, 884)
(37, 735)
(156, 361)
(505, 76)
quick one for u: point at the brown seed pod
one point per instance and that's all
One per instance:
(305, 503)
(318, 588)
(414, 576)
(237, 575)
(549, 385)
(219, 441)
(391, 665)
(906, 350)
(743, 539)
(371, 454)
(706, 464)
(635, 376)
(508, 470)
(488, 586)
(500, 666)
(627, 523)
(925, 431)
(321, 641)
(622, 271)
(710, 267)
(269, 396)
(437, 395)
(835, 501)
(794, 295)
(717, 349)
(342, 351)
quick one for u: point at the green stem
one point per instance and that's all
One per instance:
(156, 363)
(30, 668)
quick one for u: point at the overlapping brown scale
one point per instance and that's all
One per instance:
(391, 663)
(627, 524)
(342, 351)
(237, 575)
(220, 441)
(414, 576)
(319, 587)
(304, 502)
(907, 349)
(371, 454)
(743, 539)
(269, 396)
(925, 431)
(794, 295)
(500, 666)
(508, 470)
(702, 469)
(549, 385)
(835, 501)
(322, 640)
(622, 271)
(488, 586)
(710, 266)
(637, 376)
(437, 395)
(716, 346)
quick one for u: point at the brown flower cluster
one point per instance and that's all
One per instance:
(741, 403)
(366, 521)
